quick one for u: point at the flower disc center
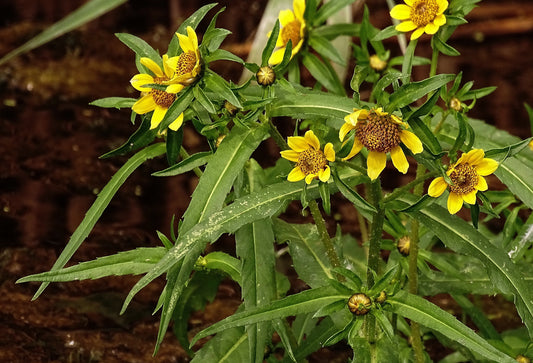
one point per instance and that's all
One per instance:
(424, 12)
(162, 98)
(378, 133)
(186, 63)
(464, 178)
(311, 161)
(291, 31)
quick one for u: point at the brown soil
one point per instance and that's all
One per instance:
(50, 172)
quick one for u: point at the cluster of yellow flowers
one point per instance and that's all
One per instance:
(379, 132)
(177, 73)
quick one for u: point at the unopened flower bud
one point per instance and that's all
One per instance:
(376, 63)
(265, 76)
(522, 359)
(382, 297)
(359, 304)
(404, 245)
(455, 104)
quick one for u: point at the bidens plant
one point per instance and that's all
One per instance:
(414, 237)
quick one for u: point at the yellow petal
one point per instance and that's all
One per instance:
(298, 143)
(152, 66)
(486, 167)
(375, 163)
(412, 141)
(345, 129)
(139, 80)
(176, 124)
(285, 17)
(470, 198)
(406, 26)
(144, 105)
(399, 160)
(192, 38)
(290, 155)
(473, 157)
(417, 33)
(439, 20)
(175, 88)
(357, 146)
(276, 57)
(324, 174)
(352, 118)
(481, 184)
(437, 187)
(309, 178)
(443, 5)
(329, 152)
(312, 140)
(409, 2)
(295, 175)
(157, 116)
(299, 9)
(431, 28)
(455, 202)
(401, 12)
(169, 66)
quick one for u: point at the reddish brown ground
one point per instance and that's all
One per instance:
(50, 171)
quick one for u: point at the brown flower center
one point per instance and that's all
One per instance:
(291, 31)
(378, 133)
(311, 161)
(424, 12)
(162, 98)
(186, 63)
(464, 178)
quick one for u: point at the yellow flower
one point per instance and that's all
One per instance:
(467, 178)
(422, 16)
(155, 99)
(311, 162)
(187, 65)
(292, 28)
(380, 133)
(376, 63)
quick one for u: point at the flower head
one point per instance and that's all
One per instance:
(187, 65)
(376, 63)
(292, 28)
(380, 133)
(467, 176)
(155, 99)
(311, 162)
(422, 16)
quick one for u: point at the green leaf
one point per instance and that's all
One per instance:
(324, 47)
(223, 262)
(411, 92)
(386, 33)
(201, 97)
(328, 9)
(114, 102)
(270, 45)
(522, 241)
(349, 193)
(177, 108)
(332, 31)
(429, 315)
(140, 138)
(307, 251)
(186, 165)
(84, 14)
(218, 85)
(228, 346)
(508, 151)
(132, 262)
(192, 21)
(426, 135)
(98, 207)
(444, 48)
(301, 303)
(140, 47)
(478, 317)
(463, 238)
(174, 140)
(477, 93)
(222, 54)
(323, 74)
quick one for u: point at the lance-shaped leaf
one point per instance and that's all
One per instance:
(134, 262)
(228, 346)
(301, 303)
(186, 165)
(461, 237)
(425, 313)
(114, 102)
(312, 105)
(140, 47)
(411, 92)
(98, 207)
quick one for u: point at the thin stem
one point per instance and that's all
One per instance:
(374, 249)
(184, 155)
(323, 233)
(434, 61)
(278, 138)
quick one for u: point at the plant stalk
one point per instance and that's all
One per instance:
(323, 233)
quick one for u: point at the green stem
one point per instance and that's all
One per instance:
(374, 249)
(278, 138)
(412, 286)
(184, 155)
(434, 61)
(323, 233)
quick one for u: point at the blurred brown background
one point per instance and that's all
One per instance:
(49, 167)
